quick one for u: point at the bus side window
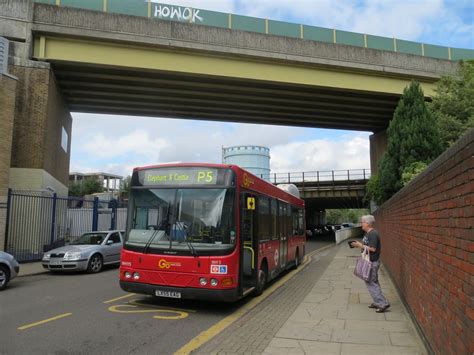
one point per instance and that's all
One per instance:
(274, 219)
(263, 219)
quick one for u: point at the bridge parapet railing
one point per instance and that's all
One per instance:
(323, 177)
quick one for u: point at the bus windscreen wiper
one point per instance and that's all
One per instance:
(186, 237)
(164, 225)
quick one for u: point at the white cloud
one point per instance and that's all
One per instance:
(117, 144)
(352, 152)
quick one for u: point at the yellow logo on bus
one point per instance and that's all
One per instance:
(163, 264)
(247, 180)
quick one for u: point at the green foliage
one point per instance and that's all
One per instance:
(75, 190)
(91, 186)
(373, 190)
(411, 171)
(338, 216)
(412, 137)
(125, 184)
(86, 187)
(453, 105)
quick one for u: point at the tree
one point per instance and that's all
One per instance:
(453, 104)
(412, 137)
(374, 191)
(85, 187)
(338, 216)
(125, 184)
(91, 186)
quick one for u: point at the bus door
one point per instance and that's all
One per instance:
(249, 242)
(283, 232)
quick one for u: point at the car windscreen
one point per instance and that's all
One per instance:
(90, 239)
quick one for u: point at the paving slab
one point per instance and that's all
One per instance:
(323, 311)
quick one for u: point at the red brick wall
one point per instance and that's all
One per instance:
(428, 248)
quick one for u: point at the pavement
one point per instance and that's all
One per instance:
(321, 309)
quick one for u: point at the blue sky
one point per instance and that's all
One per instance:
(116, 144)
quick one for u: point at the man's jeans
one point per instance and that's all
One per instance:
(374, 287)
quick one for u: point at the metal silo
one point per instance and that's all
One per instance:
(255, 159)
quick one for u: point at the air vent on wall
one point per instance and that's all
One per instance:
(3, 55)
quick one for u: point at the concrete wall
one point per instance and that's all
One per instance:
(378, 146)
(346, 233)
(428, 248)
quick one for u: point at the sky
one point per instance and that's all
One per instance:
(117, 144)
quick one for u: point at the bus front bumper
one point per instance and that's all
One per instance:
(229, 295)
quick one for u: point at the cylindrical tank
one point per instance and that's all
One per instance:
(255, 159)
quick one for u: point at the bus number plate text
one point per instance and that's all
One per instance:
(170, 294)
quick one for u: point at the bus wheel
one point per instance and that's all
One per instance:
(262, 280)
(297, 259)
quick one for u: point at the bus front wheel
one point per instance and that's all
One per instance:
(262, 280)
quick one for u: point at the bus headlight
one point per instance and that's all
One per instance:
(214, 282)
(128, 275)
(136, 276)
(203, 281)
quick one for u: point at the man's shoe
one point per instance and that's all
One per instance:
(372, 306)
(383, 309)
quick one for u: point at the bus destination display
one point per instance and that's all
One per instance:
(179, 176)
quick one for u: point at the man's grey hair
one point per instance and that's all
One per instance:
(369, 219)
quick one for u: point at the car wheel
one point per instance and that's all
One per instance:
(4, 277)
(95, 264)
(262, 280)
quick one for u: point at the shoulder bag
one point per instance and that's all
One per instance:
(363, 265)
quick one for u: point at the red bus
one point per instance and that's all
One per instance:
(208, 231)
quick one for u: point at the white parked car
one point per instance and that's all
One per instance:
(9, 269)
(89, 253)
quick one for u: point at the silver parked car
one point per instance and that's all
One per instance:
(89, 253)
(9, 269)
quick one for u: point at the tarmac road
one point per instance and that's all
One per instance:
(82, 313)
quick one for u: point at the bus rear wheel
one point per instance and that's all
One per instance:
(262, 280)
(297, 259)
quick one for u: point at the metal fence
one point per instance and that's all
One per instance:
(39, 221)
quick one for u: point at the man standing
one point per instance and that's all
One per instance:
(371, 241)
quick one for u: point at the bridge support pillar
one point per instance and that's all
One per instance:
(41, 137)
(378, 146)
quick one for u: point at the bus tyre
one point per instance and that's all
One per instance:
(262, 281)
(297, 258)
(95, 264)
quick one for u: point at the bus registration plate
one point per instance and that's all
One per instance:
(171, 294)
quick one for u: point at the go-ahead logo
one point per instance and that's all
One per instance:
(163, 264)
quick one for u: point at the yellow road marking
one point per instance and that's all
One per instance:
(119, 298)
(138, 303)
(43, 321)
(120, 309)
(211, 332)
